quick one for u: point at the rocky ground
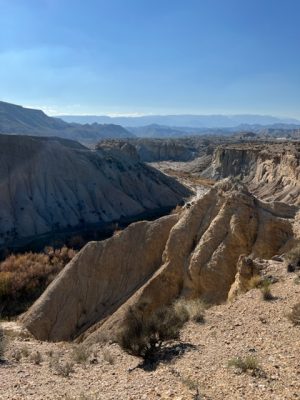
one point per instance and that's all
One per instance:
(196, 367)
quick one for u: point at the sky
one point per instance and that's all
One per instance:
(133, 57)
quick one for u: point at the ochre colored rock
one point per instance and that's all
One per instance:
(272, 171)
(198, 257)
(98, 280)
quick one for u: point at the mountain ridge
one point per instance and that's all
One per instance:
(185, 120)
(15, 119)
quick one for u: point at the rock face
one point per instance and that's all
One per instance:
(198, 257)
(49, 185)
(100, 279)
(272, 171)
(153, 150)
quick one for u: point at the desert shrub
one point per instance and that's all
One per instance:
(3, 344)
(108, 357)
(23, 277)
(244, 364)
(36, 358)
(297, 280)
(294, 316)
(61, 368)
(265, 288)
(292, 259)
(80, 354)
(25, 352)
(254, 282)
(16, 355)
(190, 309)
(143, 336)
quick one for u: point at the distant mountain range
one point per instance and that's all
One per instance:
(89, 130)
(16, 119)
(191, 121)
(161, 131)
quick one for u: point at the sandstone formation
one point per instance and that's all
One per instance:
(197, 256)
(100, 278)
(52, 185)
(271, 171)
(170, 149)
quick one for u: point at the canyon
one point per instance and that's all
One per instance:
(52, 185)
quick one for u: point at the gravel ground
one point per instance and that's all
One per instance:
(199, 369)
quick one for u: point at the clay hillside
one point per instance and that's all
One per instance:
(51, 185)
(203, 303)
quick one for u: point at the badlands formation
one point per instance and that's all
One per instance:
(211, 249)
(271, 170)
(194, 254)
(52, 185)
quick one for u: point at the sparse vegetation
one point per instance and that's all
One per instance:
(23, 277)
(292, 259)
(61, 368)
(264, 284)
(3, 344)
(294, 315)
(254, 282)
(297, 280)
(190, 309)
(25, 352)
(244, 364)
(36, 358)
(108, 357)
(16, 355)
(266, 290)
(80, 354)
(190, 383)
(143, 336)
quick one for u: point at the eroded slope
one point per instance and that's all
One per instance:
(49, 185)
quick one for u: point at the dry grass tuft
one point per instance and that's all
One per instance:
(292, 259)
(80, 354)
(254, 282)
(3, 344)
(193, 310)
(108, 357)
(244, 364)
(61, 368)
(266, 290)
(36, 358)
(294, 315)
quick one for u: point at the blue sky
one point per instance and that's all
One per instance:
(151, 56)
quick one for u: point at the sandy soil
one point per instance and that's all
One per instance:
(196, 367)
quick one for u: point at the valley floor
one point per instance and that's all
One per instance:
(249, 326)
